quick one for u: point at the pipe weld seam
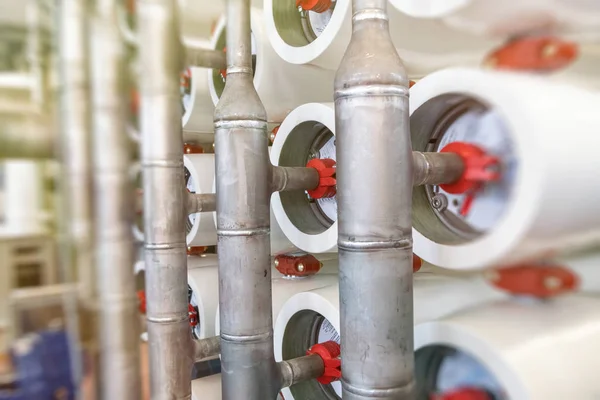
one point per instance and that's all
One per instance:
(241, 123)
(162, 163)
(167, 320)
(261, 337)
(349, 245)
(370, 13)
(239, 70)
(244, 232)
(165, 246)
(372, 90)
(390, 393)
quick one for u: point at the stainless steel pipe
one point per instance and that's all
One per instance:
(300, 369)
(248, 367)
(293, 178)
(436, 168)
(118, 332)
(374, 188)
(207, 348)
(170, 345)
(201, 202)
(75, 141)
(206, 58)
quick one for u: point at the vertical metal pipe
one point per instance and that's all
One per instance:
(75, 138)
(170, 346)
(374, 222)
(75, 231)
(248, 366)
(118, 332)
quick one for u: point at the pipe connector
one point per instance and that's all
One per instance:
(330, 354)
(297, 266)
(326, 169)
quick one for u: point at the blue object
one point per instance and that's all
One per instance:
(42, 368)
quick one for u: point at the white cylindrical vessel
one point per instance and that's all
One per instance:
(307, 132)
(546, 200)
(198, 107)
(515, 349)
(207, 388)
(203, 283)
(320, 39)
(200, 176)
(284, 287)
(313, 317)
(23, 198)
(281, 86)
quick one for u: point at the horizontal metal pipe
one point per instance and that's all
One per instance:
(201, 202)
(206, 58)
(207, 348)
(300, 369)
(436, 168)
(293, 178)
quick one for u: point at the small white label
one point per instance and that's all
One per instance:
(319, 21)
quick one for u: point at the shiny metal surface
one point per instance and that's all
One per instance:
(374, 186)
(170, 347)
(207, 348)
(431, 168)
(118, 332)
(300, 369)
(293, 178)
(201, 202)
(248, 367)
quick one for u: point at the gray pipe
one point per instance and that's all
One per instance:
(374, 188)
(248, 367)
(118, 304)
(206, 58)
(436, 168)
(75, 140)
(170, 346)
(201, 202)
(300, 369)
(207, 348)
(293, 178)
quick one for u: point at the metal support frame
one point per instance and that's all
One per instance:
(118, 333)
(374, 225)
(170, 346)
(248, 367)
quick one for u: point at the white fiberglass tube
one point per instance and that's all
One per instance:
(200, 175)
(320, 39)
(203, 281)
(514, 349)
(313, 317)
(543, 134)
(307, 132)
(23, 198)
(280, 85)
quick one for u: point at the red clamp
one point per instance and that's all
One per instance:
(196, 250)
(542, 281)
(467, 393)
(534, 54)
(142, 301)
(318, 6)
(326, 169)
(303, 265)
(330, 354)
(417, 263)
(193, 315)
(478, 170)
(192, 149)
